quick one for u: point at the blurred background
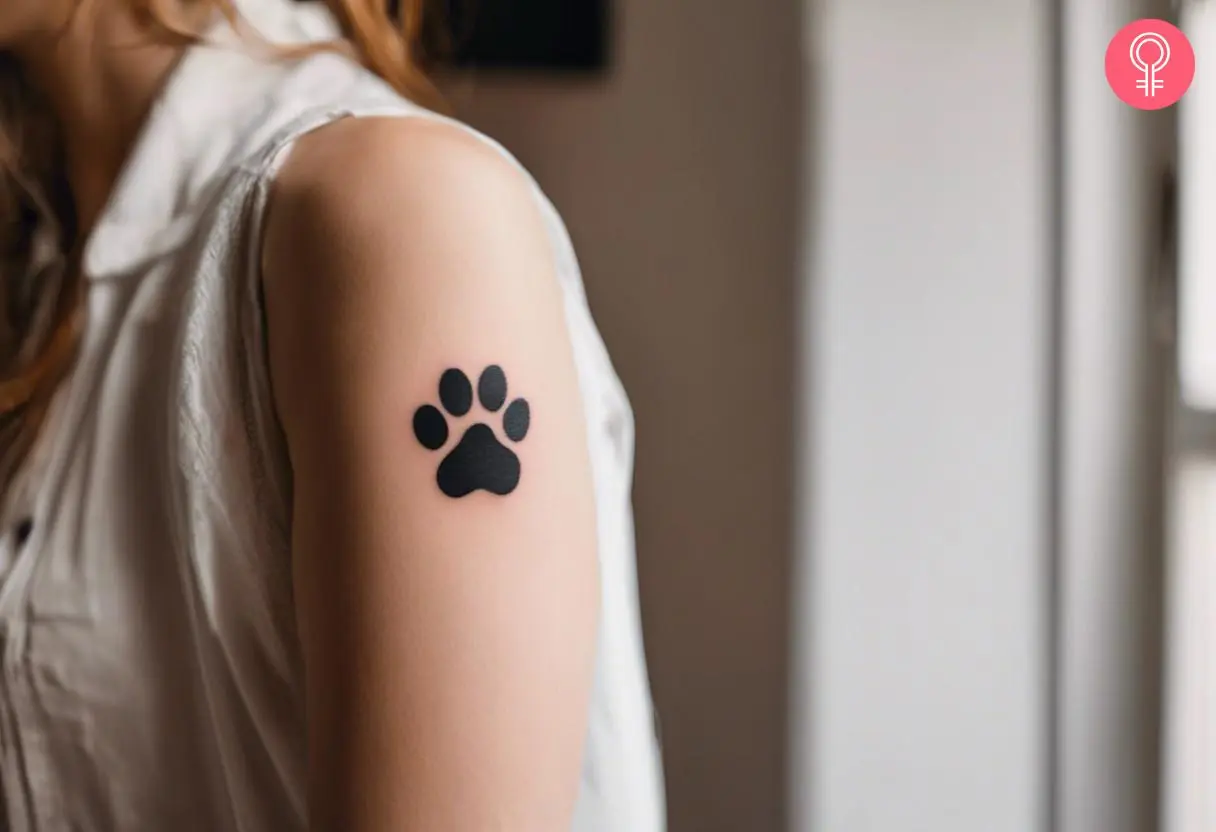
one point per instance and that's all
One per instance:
(912, 312)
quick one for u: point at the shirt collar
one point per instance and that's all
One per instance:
(185, 146)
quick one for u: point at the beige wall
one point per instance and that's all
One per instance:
(678, 177)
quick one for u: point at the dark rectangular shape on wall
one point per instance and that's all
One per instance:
(535, 35)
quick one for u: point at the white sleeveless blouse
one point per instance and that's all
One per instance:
(151, 672)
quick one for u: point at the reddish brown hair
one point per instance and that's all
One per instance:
(42, 297)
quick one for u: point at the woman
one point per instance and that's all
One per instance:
(316, 471)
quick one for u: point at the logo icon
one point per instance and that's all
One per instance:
(1150, 64)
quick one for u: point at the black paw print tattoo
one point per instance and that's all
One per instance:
(479, 461)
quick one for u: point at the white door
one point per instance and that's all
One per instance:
(1189, 796)
(982, 486)
(1111, 409)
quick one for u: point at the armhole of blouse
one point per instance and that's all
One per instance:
(271, 466)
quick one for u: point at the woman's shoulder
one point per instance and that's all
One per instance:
(330, 110)
(430, 160)
(422, 184)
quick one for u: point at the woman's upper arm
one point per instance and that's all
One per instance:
(448, 636)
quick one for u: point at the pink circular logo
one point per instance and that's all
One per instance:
(1150, 64)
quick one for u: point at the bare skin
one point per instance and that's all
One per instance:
(100, 72)
(448, 642)
(450, 645)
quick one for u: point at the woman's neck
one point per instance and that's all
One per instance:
(99, 77)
